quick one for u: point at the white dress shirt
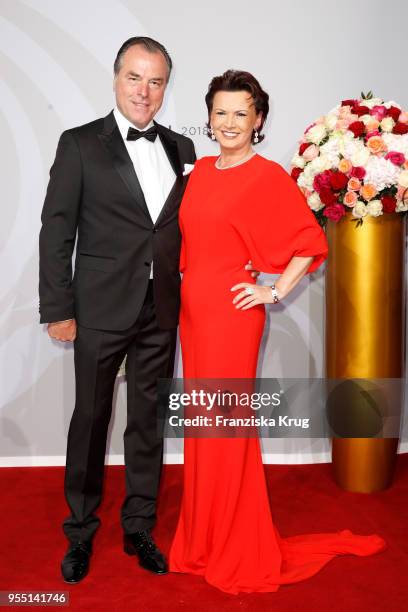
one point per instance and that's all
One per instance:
(152, 167)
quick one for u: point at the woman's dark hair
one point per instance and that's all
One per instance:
(239, 80)
(149, 44)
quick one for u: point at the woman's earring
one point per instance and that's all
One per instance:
(212, 134)
(256, 139)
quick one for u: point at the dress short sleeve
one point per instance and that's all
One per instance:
(279, 224)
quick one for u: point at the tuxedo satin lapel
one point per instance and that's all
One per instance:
(171, 149)
(170, 146)
(113, 142)
(173, 198)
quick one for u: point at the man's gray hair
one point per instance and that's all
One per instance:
(149, 44)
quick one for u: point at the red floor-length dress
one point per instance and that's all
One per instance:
(225, 530)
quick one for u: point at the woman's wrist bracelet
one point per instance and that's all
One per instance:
(275, 295)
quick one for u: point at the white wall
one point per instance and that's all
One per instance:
(56, 71)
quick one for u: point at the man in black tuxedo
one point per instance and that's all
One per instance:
(116, 186)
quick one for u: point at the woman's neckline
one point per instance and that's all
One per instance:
(241, 162)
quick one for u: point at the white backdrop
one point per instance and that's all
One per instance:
(56, 61)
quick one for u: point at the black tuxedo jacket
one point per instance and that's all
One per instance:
(94, 194)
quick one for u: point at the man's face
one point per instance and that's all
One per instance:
(140, 85)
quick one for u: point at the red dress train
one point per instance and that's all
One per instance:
(225, 530)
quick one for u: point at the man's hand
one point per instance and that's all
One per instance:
(254, 273)
(65, 331)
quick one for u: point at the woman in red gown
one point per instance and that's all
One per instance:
(236, 208)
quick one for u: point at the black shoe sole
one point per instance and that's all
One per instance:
(75, 581)
(132, 553)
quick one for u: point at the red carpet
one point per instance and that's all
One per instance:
(304, 499)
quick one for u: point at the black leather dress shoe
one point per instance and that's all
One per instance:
(75, 564)
(142, 544)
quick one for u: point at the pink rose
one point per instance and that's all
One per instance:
(309, 127)
(350, 198)
(372, 124)
(358, 172)
(354, 184)
(402, 193)
(334, 212)
(403, 118)
(342, 124)
(372, 133)
(346, 113)
(396, 158)
(379, 112)
(311, 152)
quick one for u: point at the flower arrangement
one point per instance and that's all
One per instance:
(355, 159)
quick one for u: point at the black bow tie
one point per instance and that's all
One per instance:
(150, 134)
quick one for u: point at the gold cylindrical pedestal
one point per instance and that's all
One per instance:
(365, 329)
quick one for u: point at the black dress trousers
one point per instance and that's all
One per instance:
(98, 356)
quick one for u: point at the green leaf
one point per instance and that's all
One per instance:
(358, 222)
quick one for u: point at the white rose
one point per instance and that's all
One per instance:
(401, 206)
(314, 202)
(306, 181)
(387, 124)
(359, 210)
(330, 121)
(374, 208)
(403, 178)
(381, 173)
(298, 161)
(391, 103)
(319, 164)
(372, 102)
(360, 157)
(396, 142)
(331, 150)
(316, 133)
(366, 118)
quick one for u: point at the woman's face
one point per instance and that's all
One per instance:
(233, 119)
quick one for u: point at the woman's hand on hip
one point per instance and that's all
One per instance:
(251, 295)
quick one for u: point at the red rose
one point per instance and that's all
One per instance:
(400, 128)
(388, 203)
(327, 196)
(338, 181)
(321, 180)
(357, 127)
(358, 172)
(394, 112)
(303, 147)
(349, 103)
(361, 110)
(335, 212)
(296, 172)
(395, 157)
